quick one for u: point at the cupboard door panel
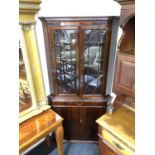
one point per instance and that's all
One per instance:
(88, 127)
(125, 75)
(71, 121)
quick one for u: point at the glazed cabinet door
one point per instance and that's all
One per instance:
(64, 59)
(94, 51)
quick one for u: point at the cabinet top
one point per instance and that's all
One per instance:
(77, 18)
(125, 2)
(121, 124)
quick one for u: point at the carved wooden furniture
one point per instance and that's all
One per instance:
(124, 83)
(117, 132)
(38, 127)
(77, 50)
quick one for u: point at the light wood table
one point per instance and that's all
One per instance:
(38, 127)
(117, 132)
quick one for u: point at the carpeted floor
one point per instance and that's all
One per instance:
(68, 147)
(78, 149)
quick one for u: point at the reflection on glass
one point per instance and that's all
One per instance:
(65, 50)
(94, 42)
(25, 100)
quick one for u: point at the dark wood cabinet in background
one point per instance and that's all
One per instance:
(125, 75)
(124, 81)
(77, 51)
(117, 130)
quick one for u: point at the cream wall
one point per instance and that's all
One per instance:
(70, 8)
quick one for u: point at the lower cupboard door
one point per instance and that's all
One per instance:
(79, 122)
(71, 123)
(88, 126)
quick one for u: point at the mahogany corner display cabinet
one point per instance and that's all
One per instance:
(80, 54)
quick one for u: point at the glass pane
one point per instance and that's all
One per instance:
(65, 50)
(25, 100)
(94, 43)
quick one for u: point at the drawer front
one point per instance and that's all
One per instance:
(67, 104)
(104, 149)
(78, 104)
(115, 143)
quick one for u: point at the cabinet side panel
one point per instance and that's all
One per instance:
(125, 75)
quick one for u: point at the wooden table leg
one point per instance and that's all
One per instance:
(47, 141)
(59, 139)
